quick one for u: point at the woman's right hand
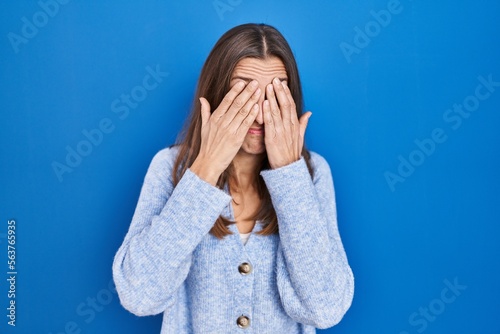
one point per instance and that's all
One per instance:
(223, 132)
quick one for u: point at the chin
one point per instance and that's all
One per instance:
(254, 150)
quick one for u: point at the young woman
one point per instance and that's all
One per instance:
(235, 229)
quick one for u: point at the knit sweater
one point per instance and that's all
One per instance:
(296, 280)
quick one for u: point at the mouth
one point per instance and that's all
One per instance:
(256, 131)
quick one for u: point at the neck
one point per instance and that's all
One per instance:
(246, 169)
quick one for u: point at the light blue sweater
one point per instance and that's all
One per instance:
(299, 280)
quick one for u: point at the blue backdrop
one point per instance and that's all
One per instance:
(405, 96)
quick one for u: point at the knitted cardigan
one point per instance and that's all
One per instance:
(300, 278)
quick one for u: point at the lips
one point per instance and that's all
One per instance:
(256, 131)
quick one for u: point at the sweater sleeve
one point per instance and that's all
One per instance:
(314, 279)
(155, 256)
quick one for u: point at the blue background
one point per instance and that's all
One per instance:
(403, 242)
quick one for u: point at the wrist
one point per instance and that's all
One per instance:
(276, 165)
(204, 172)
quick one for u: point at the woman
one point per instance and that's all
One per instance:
(235, 228)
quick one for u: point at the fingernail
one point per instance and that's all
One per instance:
(253, 84)
(276, 80)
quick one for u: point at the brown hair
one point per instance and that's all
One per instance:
(245, 41)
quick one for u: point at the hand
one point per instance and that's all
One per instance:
(223, 132)
(284, 132)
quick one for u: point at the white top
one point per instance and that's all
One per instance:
(244, 237)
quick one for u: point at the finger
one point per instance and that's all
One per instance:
(248, 120)
(241, 100)
(304, 120)
(293, 107)
(283, 100)
(205, 111)
(273, 107)
(243, 113)
(228, 99)
(269, 129)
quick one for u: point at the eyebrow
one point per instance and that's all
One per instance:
(247, 80)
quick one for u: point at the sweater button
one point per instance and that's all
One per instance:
(243, 321)
(245, 268)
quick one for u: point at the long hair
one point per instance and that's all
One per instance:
(245, 41)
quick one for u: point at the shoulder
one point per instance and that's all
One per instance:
(166, 155)
(322, 172)
(319, 163)
(163, 161)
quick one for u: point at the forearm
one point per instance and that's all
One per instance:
(155, 257)
(314, 277)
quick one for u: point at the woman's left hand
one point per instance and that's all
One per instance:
(284, 132)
